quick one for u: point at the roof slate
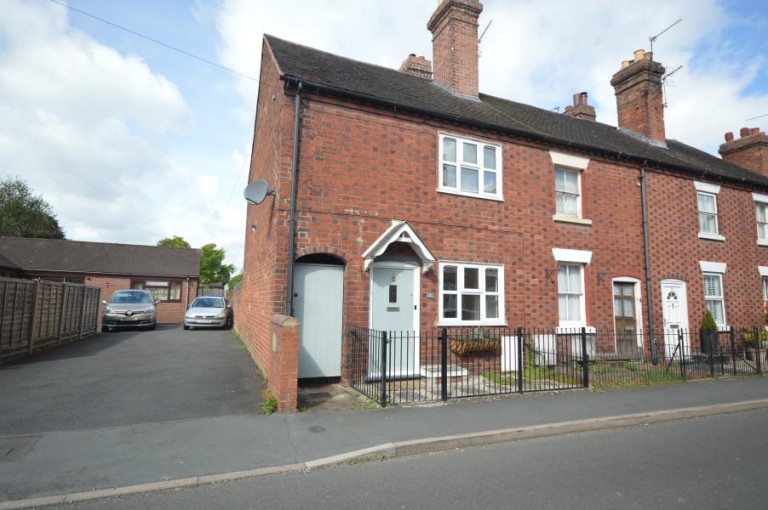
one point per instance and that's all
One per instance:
(100, 258)
(340, 75)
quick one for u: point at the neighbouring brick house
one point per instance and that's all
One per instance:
(170, 273)
(407, 199)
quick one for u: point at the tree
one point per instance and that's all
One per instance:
(174, 242)
(212, 268)
(235, 280)
(24, 214)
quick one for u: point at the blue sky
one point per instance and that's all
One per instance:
(132, 142)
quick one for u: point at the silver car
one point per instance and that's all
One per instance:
(208, 312)
(130, 309)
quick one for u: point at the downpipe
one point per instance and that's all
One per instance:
(294, 193)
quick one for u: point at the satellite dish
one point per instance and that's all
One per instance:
(257, 191)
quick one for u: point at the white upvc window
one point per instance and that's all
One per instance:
(714, 298)
(568, 192)
(706, 200)
(471, 294)
(765, 293)
(570, 295)
(707, 213)
(761, 214)
(469, 167)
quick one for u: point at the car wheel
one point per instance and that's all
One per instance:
(153, 327)
(104, 329)
(186, 327)
(229, 323)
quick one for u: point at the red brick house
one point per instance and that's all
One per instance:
(171, 274)
(407, 199)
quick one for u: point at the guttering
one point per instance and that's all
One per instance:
(294, 193)
(647, 262)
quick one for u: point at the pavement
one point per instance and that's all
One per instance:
(75, 465)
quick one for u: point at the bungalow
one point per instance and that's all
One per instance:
(171, 274)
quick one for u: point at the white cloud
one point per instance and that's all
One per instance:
(91, 129)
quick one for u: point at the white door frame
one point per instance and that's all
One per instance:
(681, 287)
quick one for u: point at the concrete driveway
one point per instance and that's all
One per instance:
(129, 378)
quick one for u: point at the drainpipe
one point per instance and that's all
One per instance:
(294, 193)
(646, 249)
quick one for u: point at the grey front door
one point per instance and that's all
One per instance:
(394, 309)
(317, 303)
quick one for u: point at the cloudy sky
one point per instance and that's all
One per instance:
(131, 141)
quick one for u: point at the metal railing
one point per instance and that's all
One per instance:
(441, 364)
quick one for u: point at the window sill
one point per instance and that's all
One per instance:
(575, 329)
(471, 324)
(711, 237)
(496, 198)
(562, 218)
(762, 242)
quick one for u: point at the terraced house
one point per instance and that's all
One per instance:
(408, 200)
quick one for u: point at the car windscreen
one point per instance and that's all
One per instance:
(208, 303)
(130, 297)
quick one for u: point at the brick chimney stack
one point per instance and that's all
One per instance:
(749, 151)
(639, 97)
(454, 45)
(418, 66)
(581, 108)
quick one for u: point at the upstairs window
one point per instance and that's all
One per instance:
(707, 213)
(761, 213)
(469, 167)
(706, 199)
(568, 192)
(762, 223)
(569, 188)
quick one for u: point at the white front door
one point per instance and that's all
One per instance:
(394, 309)
(674, 302)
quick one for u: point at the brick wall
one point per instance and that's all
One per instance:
(263, 290)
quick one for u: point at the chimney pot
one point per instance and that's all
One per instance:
(744, 132)
(639, 55)
(755, 131)
(729, 136)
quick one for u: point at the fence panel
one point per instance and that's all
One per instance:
(37, 315)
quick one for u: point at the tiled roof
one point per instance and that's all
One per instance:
(330, 73)
(99, 258)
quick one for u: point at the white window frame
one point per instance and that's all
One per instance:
(579, 258)
(482, 292)
(715, 269)
(580, 295)
(479, 166)
(711, 190)
(576, 165)
(761, 203)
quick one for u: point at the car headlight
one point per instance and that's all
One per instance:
(107, 310)
(149, 310)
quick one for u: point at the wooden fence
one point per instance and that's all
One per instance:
(36, 315)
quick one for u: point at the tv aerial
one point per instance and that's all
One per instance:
(257, 191)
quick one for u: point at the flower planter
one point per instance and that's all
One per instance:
(462, 346)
